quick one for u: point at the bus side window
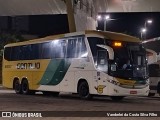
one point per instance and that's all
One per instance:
(15, 53)
(57, 50)
(24, 53)
(53, 48)
(71, 48)
(81, 48)
(64, 48)
(46, 50)
(7, 53)
(36, 51)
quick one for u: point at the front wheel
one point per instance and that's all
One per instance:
(117, 98)
(83, 90)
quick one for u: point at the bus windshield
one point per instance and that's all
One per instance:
(129, 58)
(130, 61)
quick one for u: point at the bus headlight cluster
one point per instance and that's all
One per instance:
(114, 82)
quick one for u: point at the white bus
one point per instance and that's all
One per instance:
(88, 63)
(154, 72)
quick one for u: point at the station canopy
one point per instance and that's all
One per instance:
(39, 7)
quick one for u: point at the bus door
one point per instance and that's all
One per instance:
(102, 70)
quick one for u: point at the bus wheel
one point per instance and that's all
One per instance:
(151, 94)
(83, 90)
(17, 87)
(117, 98)
(25, 88)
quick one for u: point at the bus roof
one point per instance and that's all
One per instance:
(114, 36)
(106, 34)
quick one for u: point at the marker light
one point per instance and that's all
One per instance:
(117, 44)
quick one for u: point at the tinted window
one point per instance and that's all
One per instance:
(68, 48)
(24, 52)
(15, 53)
(58, 49)
(46, 50)
(81, 47)
(76, 48)
(71, 48)
(7, 53)
(36, 51)
(93, 42)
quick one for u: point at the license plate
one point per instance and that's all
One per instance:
(133, 92)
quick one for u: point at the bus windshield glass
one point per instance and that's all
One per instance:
(129, 57)
(130, 60)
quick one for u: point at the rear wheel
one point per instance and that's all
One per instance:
(25, 88)
(83, 90)
(17, 87)
(117, 98)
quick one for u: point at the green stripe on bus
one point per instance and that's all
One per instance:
(55, 72)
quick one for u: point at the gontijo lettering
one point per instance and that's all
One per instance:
(28, 65)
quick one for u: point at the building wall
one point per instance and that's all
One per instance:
(85, 10)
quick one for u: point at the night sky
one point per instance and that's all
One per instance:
(48, 24)
(128, 23)
(131, 23)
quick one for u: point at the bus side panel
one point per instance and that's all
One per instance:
(31, 72)
(88, 76)
(54, 75)
(7, 80)
(37, 74)
(9, 73)
(67, 84)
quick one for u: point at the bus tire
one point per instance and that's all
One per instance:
(17, 87)
(25, 88)
(83, 91)
(117, 98)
